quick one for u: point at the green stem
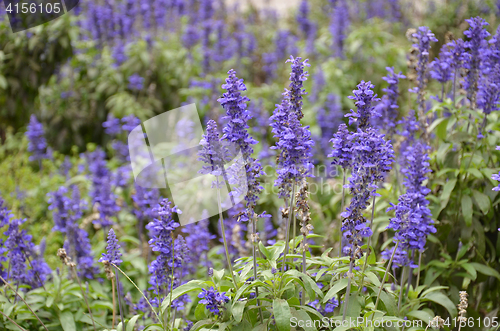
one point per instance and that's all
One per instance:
(348, 291)
(20, 297)
(12, 321)
(418, 272)
(254, 248)
(142, 293)
(401, 288)
(287, 231)
(223, 230)
(341, 210)
(84, 296)
(368, 250)
(385, 276)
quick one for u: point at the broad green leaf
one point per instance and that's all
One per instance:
(181, 290)
(476, 173)
(433, 289)
(199, 312)
(131, 323)
(447, 189)
(200, 324)
(421, 315)
(467, 209)
(442, 300)
(340, 285)
(470, 269)
(389, 302)
(67, 321)
(243, 326)
(237, 309)
(282, 314)
(305, 320)
(264, 250)
(353, 306)
(485, 270)
(482, 201)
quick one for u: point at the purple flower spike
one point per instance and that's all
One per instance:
(37, 144)
(113, 254)
(387, 110)
(364, 99)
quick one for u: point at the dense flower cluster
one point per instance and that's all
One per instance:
(423, 37)
(386, 111)
(37, 144)
(113, 254)
(236, 132)
(412, 221)
(103, 197)
(213, 300)
(364, 100)
(66, 213)
(294, 141)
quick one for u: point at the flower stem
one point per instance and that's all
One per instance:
(385, 276)
(114, 303)
(254, 248)
(138, 289)
(368, 250)
(348, 291)
(287, 230)
(20, 297)
(118, 292)
(341, 210)
(418, 272)
(84, 296)
(410, 274)
(12, 321)
(223, 230)
(401, 288)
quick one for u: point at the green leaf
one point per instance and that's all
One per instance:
(353, 307)
(192, 285)
(304, 318)
(389, 302)
(421, 315)
(442, 300)
(67, 321)
(476, 173)
(485, 270)
(282, 314)
(447, 189)
(199, 324)
(471, 270)
(131, 323)
(340, 285)
(243, 326)
(199, 312)
(482, 201)
(467, 209)
(264, 250)
(238, 308)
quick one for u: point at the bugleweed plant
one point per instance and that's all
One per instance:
(360, 211)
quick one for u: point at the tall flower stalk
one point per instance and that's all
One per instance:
(294, 143)
(214, 155)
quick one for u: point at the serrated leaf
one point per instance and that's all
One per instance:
(282, 314)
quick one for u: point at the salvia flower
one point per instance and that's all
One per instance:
(342, 148)
(198, 238)
(412, 221)
(135, 82)
(364, 101)
(386, 111)
(37, 144)
(475, 45)
(297, 78)
(67, 210)
(424, 37)
(161, 233)
(213, 300)
(113, 254)
(372, 159)
(236, 133)
(329, 117)
(339, 24)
